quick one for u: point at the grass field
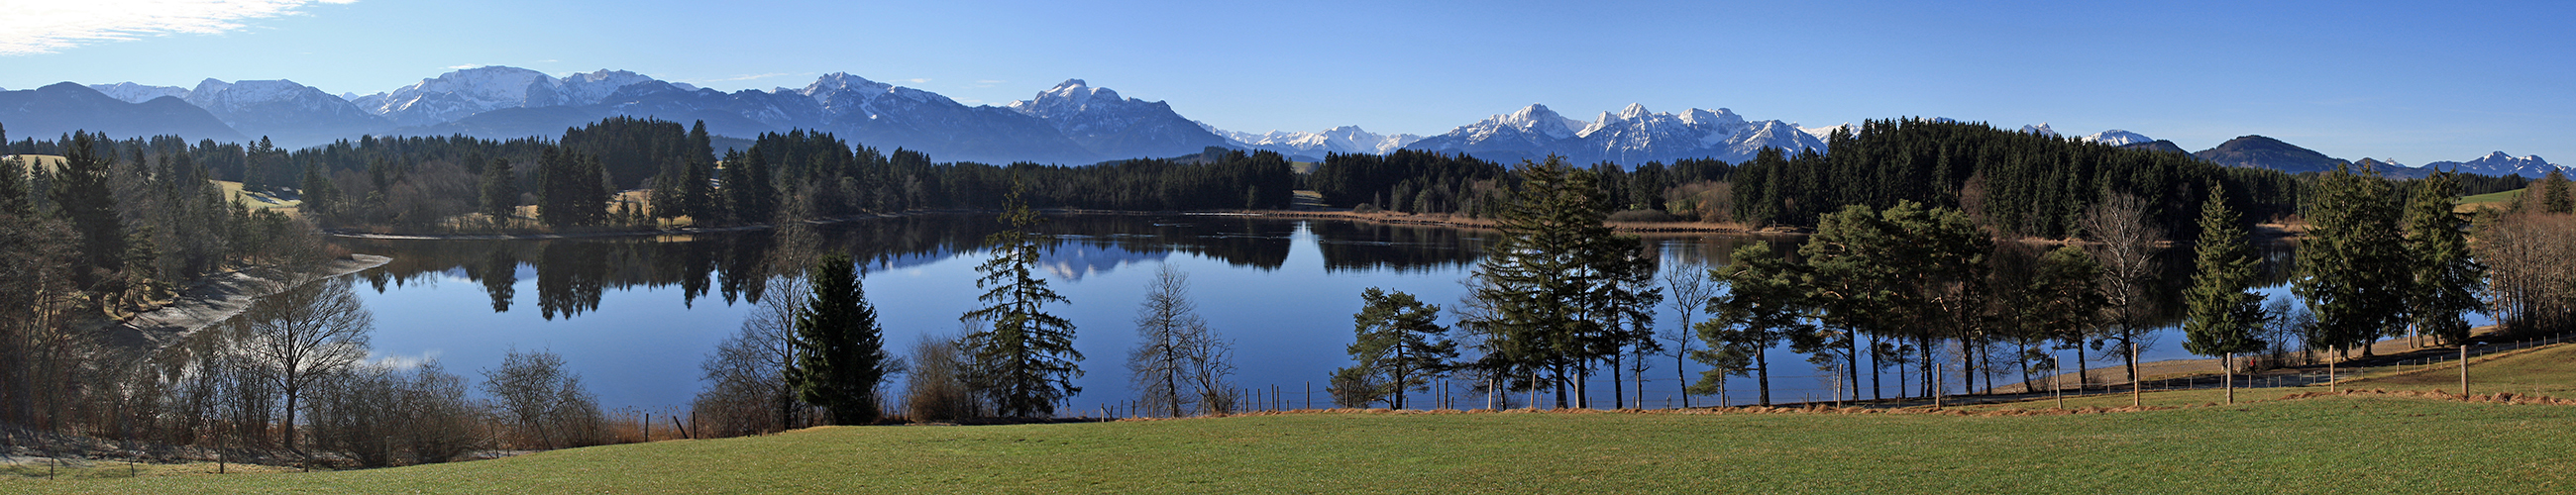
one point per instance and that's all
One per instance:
(255, 200)
(2317, 445)
(2489, 200)
(2546, 371)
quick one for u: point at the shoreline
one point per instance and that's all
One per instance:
(218, 298)
(2264, 231)
(1378, 218)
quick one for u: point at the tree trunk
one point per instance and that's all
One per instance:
(1875, 392)
(1925, 352)
(1967, 365)
(1618, 390)
(1762, 370)
(292, 416)
(1682, 376)
(2022, 348)
(1560, 386)
(1851, 369)
(2083, 368)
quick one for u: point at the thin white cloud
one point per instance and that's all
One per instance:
(41, 26)
(918, 80)
(466, 66)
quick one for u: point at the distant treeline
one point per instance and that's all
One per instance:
(2017, 183)
(433, 182)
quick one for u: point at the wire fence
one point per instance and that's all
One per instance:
(1807, 389)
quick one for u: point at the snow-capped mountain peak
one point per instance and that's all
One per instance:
(1828, 131)
(1071, 97)
(590, 88)
(1349, 139)
(460, 93)
(1538, 119)
(137, 93)
(2041, 129)
(2116, 137)
(2500, 164)
(1632, 136)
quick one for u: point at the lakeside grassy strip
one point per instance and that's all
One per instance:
(2331, 444)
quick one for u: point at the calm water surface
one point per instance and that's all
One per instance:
(636, 316)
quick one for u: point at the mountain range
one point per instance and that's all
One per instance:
(1070, 123)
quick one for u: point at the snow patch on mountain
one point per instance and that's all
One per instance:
(137, 93)
(1633, 135)
(1827, 131)
(461, 93)
(2041, 129)
(2116, 137)
(2500, 164)
(1349, 139)
(1115, 126)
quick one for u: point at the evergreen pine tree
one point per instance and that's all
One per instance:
(1399, 344)
(2352, 271)
(2222, 311)
(500, 191)
(13, 186)
(1539, 279)
(2447, 276)
(82, 196)
(1023, 360)
(317, 193)
(2554, 193)
(840, 348)
(1766, 302)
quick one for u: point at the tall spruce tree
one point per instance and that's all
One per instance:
(2352, 271)
(753, 198)
(2554, 194)
(13, 186)
(840, 348)
(1024, 357)
(571, 190)
(1398, 346)
(82, 195)
(2447, 276)
(1540, 277)
(500, 191)
(2223, 313)
(319, 196)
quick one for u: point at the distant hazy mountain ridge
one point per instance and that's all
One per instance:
(1070, 123)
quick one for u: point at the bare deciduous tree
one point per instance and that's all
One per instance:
(1688, 283)
(546, 406)
(302, 335)
(747, 390)
(2128, 244)
(1178, 365)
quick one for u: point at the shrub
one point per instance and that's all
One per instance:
(936, 389)
(1643, 216)
(546, 407)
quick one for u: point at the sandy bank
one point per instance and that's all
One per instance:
(217, 298)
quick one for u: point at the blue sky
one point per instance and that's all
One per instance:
(2413, 81)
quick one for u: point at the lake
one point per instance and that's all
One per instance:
(635, 316)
